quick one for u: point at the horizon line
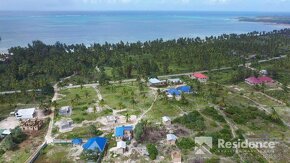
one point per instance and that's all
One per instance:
(144, 11)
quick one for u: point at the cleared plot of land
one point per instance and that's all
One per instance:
(85, 132)
(133, 97)
(80, 99)
(55, 154)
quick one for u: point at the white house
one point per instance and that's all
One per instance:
(25, 113)
(171, 139)
(64, 125)
(65, 111)
(121, 147)
(154, 82)
(166, 120)
(174, 81)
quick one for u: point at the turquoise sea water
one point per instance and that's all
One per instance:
(20, 28)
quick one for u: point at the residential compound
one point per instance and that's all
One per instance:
(259, 80)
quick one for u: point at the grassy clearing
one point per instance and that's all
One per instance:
(134, 97)
(55, 154)
(84, 132)
(80, 99)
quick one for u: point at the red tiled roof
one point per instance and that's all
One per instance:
(199, 75)
(259, 80)
(265, 79)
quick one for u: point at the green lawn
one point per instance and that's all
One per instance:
(55, 153)
(84, 132)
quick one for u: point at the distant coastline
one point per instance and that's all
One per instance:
(279, 20)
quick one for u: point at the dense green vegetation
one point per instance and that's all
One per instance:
(268, 19)
(11, 141)
(39, 64)
(152, 150)
(210, 111)
(185, 143)
(193, 120)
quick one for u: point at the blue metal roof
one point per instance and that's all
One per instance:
(96, 143)
(185, 89)
(77, 141)
(173, 91)
(119, 131)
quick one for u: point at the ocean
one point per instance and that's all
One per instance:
(21, 28)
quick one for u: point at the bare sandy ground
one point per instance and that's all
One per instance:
(9, 123)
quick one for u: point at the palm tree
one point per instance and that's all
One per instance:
(77, 97)
(274, 115)
(102, 103)
(133, 102)
(87, 94)
(127, 117)
(121, 105)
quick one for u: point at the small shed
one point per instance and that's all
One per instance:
(121, 147)
(65, 111)
(166, 120)
(171, 139)
(77, 141)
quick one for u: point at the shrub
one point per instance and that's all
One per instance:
(185, 143)
(152, 150)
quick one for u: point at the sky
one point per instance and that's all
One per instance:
(194, 5)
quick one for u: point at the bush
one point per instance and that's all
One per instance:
(152, 150)
(139, 131)
(185, 143)
(192, 120)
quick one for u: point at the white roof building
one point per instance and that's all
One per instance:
(25, 113)
(6, 132)
(177, 80)
(121, 145)
(166, 119)
(65, 110)
(171, 137)
(154, 81)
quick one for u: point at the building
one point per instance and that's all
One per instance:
(171, 139)
(263, 72)
(96, 144)
(176, 156)
(184, 89)
(65, 125)
(121, 147)
(111, 119)
(25, 113)
(176, 81)
(77, 141)
(166, 120)
(200, 77)
(124, 133)
(258, 81)
(31, 124)
(173, 92)
(4, 132)
(154, 82)
(65, 111)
